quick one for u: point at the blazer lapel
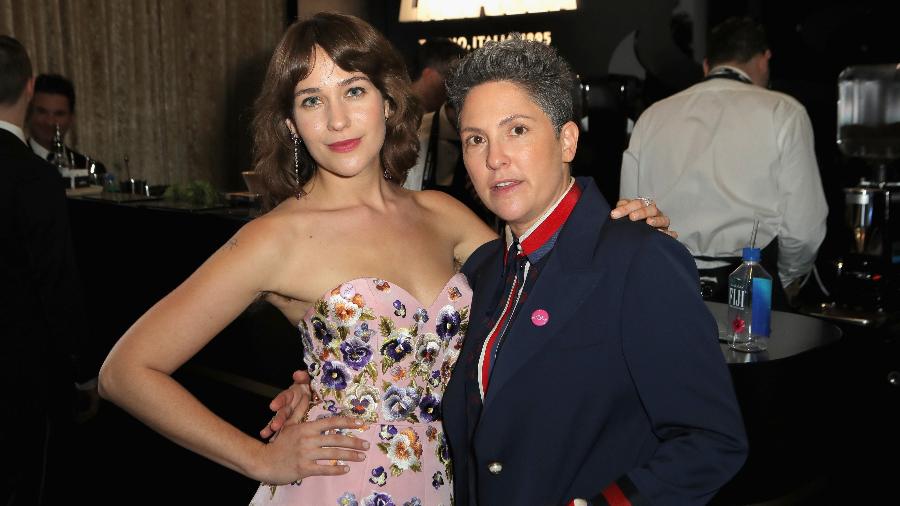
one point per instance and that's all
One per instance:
(567, 279)
(486, 280)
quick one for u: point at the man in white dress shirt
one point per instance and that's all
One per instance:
(726, 152)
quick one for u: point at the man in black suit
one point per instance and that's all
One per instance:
(54, 104)
(40, 302)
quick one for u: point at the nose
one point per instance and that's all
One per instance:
(497, 157)
(338, 119)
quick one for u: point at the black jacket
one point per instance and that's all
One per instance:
(41, 306)
(624, 390)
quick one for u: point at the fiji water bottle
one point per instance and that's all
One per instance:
(750, 304)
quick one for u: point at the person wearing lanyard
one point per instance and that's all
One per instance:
(591, 372)
(727, 152)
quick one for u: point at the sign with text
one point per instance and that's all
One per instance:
(476, 41)
(438, 10)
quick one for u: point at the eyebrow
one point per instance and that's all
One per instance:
(345, 82)
(504, 121)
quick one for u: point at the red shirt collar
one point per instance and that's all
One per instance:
(547, 226)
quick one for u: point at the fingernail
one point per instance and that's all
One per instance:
(615, 214)
(366, 445)
(346, 469)
(358, 422)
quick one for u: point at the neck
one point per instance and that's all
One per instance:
(14, 114)
(746, 67)
(519, 229)
(367, 189)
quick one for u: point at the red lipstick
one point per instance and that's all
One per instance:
(344, 146)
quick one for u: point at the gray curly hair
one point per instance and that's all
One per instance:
(534, 66)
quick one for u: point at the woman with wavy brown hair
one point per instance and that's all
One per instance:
(366, 270)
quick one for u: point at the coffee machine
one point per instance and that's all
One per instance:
(868, 128)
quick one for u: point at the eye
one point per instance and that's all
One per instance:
(474, 140)
(310, 102)
(519, 130)
(356, 91)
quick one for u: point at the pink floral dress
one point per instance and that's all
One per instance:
(375, 352)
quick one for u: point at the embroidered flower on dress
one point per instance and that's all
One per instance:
(399, 402)
(347, 499)
(378, 499)
(415, 501)
(435, 379)
(448, 322)
(387, 432)
(454, 293)
(437, 479)
(430, 408)
(356, 353)
(321, 330)
(362, 401)
(363, 332)
(404, 450)
(443, 452)
(347, 311)
(399, 309)
(398, 346)
(335, 375)
(431, 433)
(421, 315)
(331, 406)
(428, 348)
(379, 476)
(382, 285)
(313, 369)
(446, 369)
(398, 373)
(304, 335)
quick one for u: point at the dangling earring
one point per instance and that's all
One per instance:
(297, 164)
(387, 175)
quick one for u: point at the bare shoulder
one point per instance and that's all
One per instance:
(442, 204)
(271, 236)
(469, 232)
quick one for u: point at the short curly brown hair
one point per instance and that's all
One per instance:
(355, 46)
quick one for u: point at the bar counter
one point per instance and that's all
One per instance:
(133, 253)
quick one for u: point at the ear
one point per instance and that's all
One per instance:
(705, 67)
(291, 127)
(29, 89)
(387, 109)
(764, 61)
(568, 141)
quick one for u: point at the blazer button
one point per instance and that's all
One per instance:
(495, 467)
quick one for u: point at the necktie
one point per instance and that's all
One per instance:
(514, 277)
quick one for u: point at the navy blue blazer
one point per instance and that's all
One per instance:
(624, 385)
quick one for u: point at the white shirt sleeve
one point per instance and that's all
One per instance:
(804, 210)
(629, 176)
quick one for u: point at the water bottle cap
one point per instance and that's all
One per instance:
(752, 254)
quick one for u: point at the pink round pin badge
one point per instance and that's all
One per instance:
(540, 317)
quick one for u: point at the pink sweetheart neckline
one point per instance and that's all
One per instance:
(327, 293)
